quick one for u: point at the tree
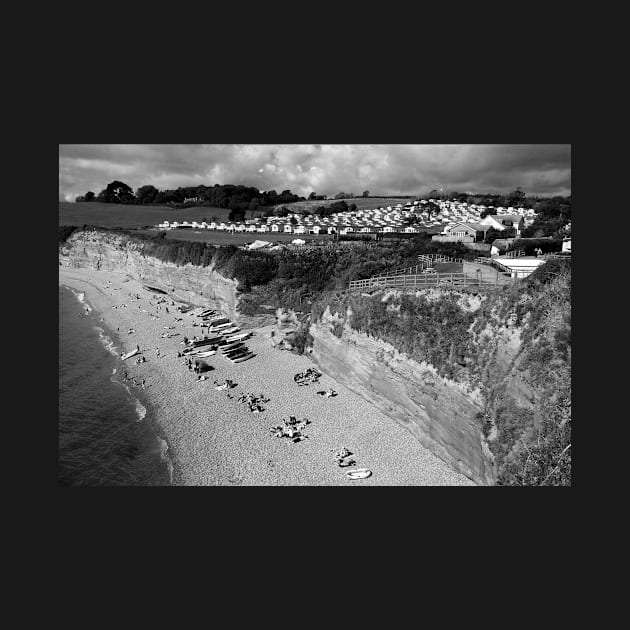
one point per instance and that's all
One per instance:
(341, 195)
(431, 208)
(366, 193)
(236, 214)
(353, 207)
(312, 196)
(146, 194)
(89, 196)
(116, 192)
(293, 221)
(516, 198)
(434, 194)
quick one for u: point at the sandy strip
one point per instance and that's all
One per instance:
(214, 440)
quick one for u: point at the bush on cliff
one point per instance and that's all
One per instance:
(65, 231)
(532, 444)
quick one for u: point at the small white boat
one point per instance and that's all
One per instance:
(358, 473)
(129, 354)
(239, 337)
(229, 331)
(207, 353)
(221, 326)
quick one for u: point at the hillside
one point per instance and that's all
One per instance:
(132, 216)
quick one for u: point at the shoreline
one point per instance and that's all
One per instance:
(112, 342)
(213, 440)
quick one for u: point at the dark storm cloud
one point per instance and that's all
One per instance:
(326, 169)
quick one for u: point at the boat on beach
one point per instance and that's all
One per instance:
(236, 352)
(230, 331)
(205, 353)
(242, 358)
(218, 320)
(220, 327)
(128, 355)
(206, 342)
(240, 337)
(226, 347)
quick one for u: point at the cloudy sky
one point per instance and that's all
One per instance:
(326, 169)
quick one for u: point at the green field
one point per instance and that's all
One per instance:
(362, 203)
(130, 216)
(225, 238)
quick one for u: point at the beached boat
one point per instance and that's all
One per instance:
(218, 320)
(239, 337)
(206, 353)
(230, 331)
(128, 355)
(205, 342)
(242, 358)
(228, 347)
(238, 351)
(221, 326)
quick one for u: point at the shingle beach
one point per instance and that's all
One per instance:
(214, 440)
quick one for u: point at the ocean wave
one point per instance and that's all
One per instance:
(107, 342)
(80, 295)
(165, 457)
(141, 410)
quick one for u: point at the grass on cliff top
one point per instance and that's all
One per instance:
(132, 216)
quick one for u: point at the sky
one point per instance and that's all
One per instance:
(405, 169)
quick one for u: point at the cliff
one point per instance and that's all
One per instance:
(201, 286)
(451, 367)
(439, 412)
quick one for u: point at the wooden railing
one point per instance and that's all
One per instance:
(438, 258)
(419, 281)
(515, 253)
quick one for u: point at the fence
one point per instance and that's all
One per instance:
(425, 280)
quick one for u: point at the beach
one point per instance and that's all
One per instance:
(214, 440)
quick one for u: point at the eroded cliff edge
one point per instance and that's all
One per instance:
(439, 412)
(451, 367)
(202, 286)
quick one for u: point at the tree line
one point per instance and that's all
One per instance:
(237, 198)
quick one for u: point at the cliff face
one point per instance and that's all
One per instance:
(201, 286)
(438, 412)
(442, 413)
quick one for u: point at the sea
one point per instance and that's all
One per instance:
(106, 435)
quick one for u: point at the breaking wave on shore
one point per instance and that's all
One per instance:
(102, 440)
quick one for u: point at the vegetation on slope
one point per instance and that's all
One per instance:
(531, 444)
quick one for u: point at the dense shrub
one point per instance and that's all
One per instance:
(65, 231)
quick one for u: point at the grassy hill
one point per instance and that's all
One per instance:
(361, 203)
(130, 216)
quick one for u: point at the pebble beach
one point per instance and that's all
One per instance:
(214, 440)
